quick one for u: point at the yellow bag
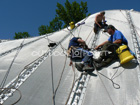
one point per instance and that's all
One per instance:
(124, 54)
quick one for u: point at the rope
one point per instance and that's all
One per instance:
(61, 73)
(73, 75)
(7, 73)
(88, 35)
(54, 94)
(52, 78)
(19, 97)
(118, 74)
(60, 79)
(17, 81)
(111, 80)
(18, 92)
(106, 77)
(73, 68)
(55, 91)
(114, 84)
(6, 89)
(73, 79)
(49, 40)
(26, 67)
(106, 89)
(3, 82)
(70, 32)
(79, 31)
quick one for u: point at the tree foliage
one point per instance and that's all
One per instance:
(21, 35)
(64, 15)
(42, 30)
(72, 11)
(55, 25)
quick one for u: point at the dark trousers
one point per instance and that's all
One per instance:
(81, 54)
(108, 53)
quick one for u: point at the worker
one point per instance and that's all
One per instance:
(99, 22)
(112, 44)
(79, 51)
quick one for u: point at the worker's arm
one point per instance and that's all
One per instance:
(100, 45)
(70, 63)
(83, 43)
(118, 41)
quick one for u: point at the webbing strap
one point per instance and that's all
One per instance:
(125, 50)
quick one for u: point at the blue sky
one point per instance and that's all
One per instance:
(28, 15)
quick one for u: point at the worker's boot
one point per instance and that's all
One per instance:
(79, 66)
(88, 68)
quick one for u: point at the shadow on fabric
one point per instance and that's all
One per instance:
(130, 65)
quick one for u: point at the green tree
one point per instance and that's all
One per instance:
(72, 11)
(42, 30)
(64, 15)
(49, 29)
(21, 35)
(55, 25)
